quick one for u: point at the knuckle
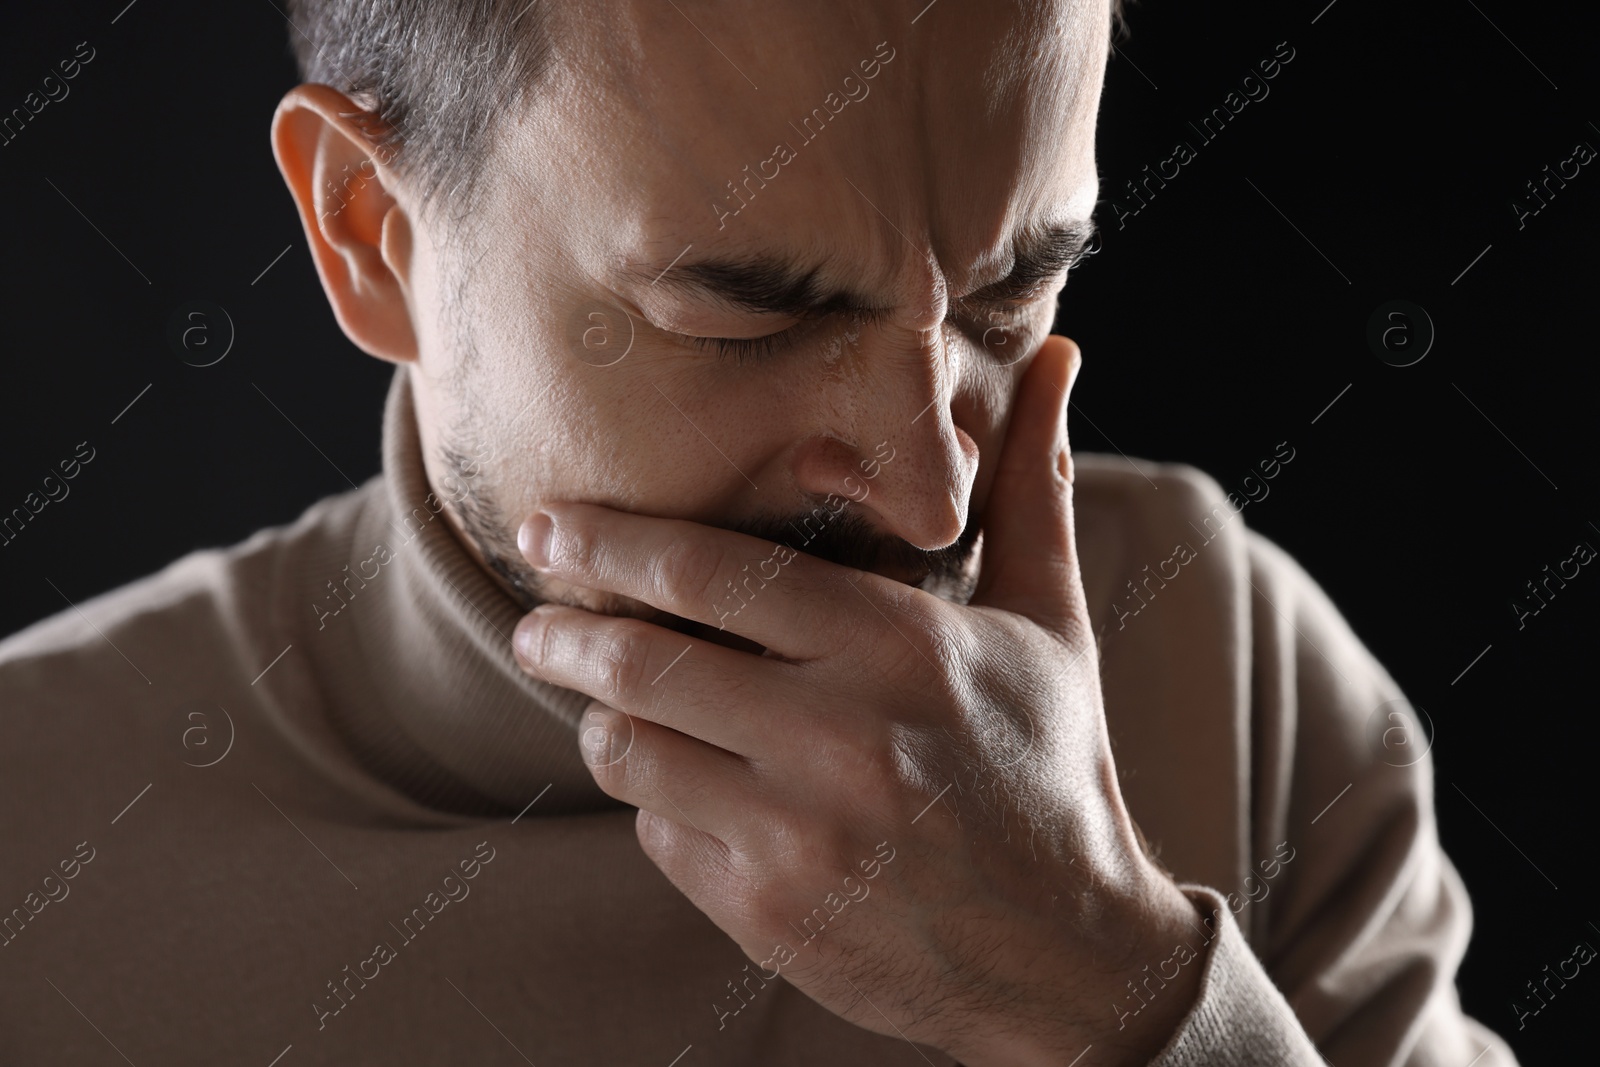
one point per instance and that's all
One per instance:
(577, 547)
(771, 903)
(687, 570)
(948, 648)
(660, 838)
(621, 663)
(924, 645)
(795, 848)
(886, 767)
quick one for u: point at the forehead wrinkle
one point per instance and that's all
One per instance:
(792, 282)
(1027, 107)
(918, 103)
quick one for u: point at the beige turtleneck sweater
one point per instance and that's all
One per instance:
(295, 799)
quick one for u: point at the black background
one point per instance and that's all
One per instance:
(1221, 319)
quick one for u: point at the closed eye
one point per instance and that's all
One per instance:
(759, 348)
(1037, 272)
(742, 348)
(1014, 294)
(1011, 312)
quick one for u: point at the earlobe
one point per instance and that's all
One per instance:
(359, 233)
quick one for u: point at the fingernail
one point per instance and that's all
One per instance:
(522, 639)
(601, 744)
(534, 539)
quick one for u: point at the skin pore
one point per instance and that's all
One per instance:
(553, 330)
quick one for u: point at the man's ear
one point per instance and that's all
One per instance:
(360, 236)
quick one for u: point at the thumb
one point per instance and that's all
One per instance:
(1030, 555)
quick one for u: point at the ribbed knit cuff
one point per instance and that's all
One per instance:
(1239, 1018)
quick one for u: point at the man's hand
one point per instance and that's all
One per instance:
(957, 753)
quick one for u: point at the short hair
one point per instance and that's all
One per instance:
(433, 76)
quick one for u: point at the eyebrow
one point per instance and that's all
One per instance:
(763, 284)
(769, 284)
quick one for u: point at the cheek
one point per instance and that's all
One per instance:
(564, 387)
(656, 431)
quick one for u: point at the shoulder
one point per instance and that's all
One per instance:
(1161, 542)
(1305, 636)
(1150, 531)
(162, 635)
(1225, 667)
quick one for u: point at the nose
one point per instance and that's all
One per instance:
(895, 448)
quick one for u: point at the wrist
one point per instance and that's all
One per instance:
(1127, 1009)
(1154, 992)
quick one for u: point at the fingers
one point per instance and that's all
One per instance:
(778, 597)
(1030, 557)
(691, 686)
(688, 782)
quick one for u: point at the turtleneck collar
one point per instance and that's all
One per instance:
(432, 699)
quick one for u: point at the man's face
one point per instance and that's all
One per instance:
(842, 193)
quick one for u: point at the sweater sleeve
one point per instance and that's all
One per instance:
(1343, 944)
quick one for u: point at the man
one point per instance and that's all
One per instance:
(810, 705)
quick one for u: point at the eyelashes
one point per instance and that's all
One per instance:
(740, 349)
(1011, 314)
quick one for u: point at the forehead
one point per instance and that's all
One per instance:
(887, 135)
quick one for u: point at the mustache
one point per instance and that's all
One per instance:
(843, 536)
(839, 535)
